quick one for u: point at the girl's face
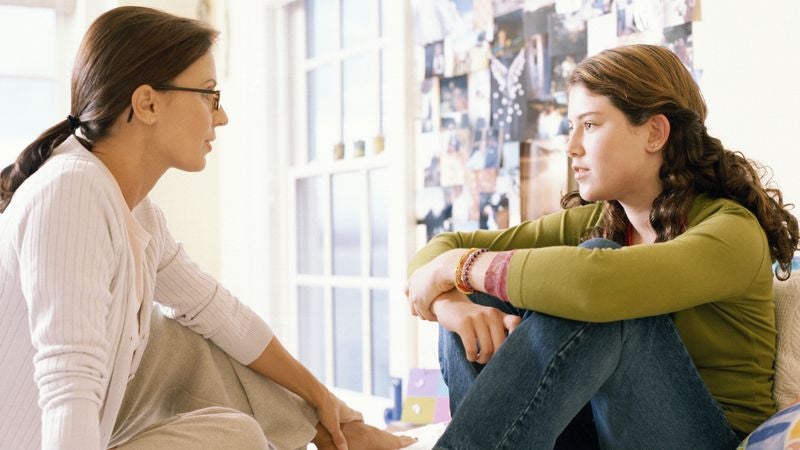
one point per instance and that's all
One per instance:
(187, 125)
(611, 158)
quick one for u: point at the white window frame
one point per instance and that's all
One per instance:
(397, 60)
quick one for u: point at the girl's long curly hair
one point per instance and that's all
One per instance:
(646, 80)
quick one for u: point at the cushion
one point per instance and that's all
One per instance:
(781, 431)
(787, 360)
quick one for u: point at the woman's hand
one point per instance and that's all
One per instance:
(430, 281)
(332, 413)
(482, 329)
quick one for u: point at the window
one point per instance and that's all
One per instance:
(29, 86)
(345, 270)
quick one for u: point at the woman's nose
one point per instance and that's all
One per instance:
(221, 117)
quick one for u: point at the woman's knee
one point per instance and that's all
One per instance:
(235, 427)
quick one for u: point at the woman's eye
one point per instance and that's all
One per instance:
(588, 126)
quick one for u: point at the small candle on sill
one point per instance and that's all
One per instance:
(358, 148)
(338, 151)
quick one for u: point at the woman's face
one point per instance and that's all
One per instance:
(611, 158)
(186, 128)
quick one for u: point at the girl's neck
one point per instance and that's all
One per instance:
(642, 231)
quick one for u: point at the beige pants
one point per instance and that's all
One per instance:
(188, 393)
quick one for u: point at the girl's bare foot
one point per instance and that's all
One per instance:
(361, 436)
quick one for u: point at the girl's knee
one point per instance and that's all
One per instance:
(599, 243)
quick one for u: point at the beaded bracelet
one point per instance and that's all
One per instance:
(464, 266)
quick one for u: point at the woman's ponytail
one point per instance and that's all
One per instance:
(31, 159)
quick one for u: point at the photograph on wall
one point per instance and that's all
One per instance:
(508, 36)
(464, 210)
(433, 210)
(678, 12)
(458, 52)
(502, 7)
(537, 53)
(429, 105)
(453, 157)
(429, 158)
(485, 150)
(454, 103)
(479, 97)
(567, 45)
(583, 9)
(434, 59)
(638, 16)
(679, 40)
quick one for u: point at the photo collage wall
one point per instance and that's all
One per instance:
(491, 123)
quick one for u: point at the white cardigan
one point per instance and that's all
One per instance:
(77, 271)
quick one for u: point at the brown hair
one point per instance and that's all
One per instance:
(646, 80)
(123, 49)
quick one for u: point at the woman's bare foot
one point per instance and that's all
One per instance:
(361, 436)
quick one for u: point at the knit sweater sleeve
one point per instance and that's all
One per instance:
(717, 258)
(560, 228)
(67, 257)
(198, 301)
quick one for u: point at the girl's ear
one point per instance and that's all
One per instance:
(144, 103)
(659, 132)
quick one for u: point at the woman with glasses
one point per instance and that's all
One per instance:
(641, 315)
(86, 362)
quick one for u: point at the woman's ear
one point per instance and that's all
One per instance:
(143, 102)
(659, 132)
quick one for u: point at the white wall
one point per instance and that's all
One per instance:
(750, 61)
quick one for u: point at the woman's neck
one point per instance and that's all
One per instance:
(126, 159)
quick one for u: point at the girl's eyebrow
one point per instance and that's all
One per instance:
(588, 113)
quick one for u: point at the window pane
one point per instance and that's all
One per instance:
(324, 126)
(347, 202)
(321, 19)
(380, 342)
(361, 100)
(310, 318)
(360, 21)
(310, 194)
(29, 41)
(379, 218)
(347, 338)
(29, 108)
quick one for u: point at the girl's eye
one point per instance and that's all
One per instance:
(588, 126)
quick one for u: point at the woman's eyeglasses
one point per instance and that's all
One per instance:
(216, 94)
(166, 87)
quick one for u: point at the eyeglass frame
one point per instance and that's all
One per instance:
(167, 87)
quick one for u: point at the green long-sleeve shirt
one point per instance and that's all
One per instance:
(715, 279)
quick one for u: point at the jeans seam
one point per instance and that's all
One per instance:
(557, 358)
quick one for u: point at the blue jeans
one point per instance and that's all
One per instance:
(558, 383)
